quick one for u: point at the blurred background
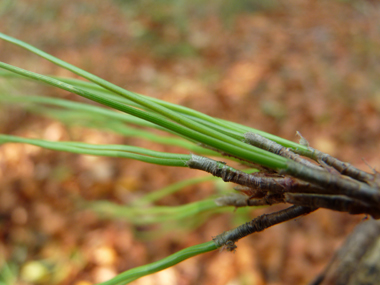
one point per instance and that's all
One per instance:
(278, 66)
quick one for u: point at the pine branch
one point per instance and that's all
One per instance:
(258, 224)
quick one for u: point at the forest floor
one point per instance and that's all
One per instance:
(307, 66)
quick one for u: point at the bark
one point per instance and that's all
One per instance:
(358, 261)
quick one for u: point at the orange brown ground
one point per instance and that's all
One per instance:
(308, 66)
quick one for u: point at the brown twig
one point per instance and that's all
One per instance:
(343, 167)
(258, 224)
(332, 184)
(338, 184)
(333, 202)
(266, 144)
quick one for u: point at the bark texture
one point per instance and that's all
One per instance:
(358, 261)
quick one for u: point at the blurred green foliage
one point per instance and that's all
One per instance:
(165, 25)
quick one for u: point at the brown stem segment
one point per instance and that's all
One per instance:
(343, 167)
(333, 202)
(338, 184)
(239, 200)
(276, 184)
(266, 144)
(259, 224)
